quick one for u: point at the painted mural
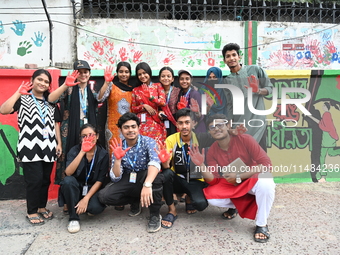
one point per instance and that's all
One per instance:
(298, 46)
(190, 44)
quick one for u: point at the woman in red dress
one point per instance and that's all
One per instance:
(147, 97)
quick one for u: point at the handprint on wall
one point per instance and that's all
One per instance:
(38, 39)
(123, 55)
(136, 57)
(98, 48)
(23, 48)
(169, 57)
(2, 30)
(19, 27)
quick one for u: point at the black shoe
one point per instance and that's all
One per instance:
(135, 209)
(154, 223)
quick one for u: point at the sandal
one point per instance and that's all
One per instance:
(264, 231)
(29, 220)
(190, 207)
(46, 215)
(169, 218)
(231, 213)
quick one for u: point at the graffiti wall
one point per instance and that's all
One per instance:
(195, 45)
(25, 33)
(291, 46)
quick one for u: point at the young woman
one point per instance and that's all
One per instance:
(190, 98)
(79, 106)
(37, 145)
(166, 78)
(86, 167)
(147, 97)
(119, 95)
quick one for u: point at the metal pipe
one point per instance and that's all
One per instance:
(50, 25)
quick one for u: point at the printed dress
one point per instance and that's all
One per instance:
(152, 126)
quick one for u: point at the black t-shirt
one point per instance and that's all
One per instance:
(181, 160)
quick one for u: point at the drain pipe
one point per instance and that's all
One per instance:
(50, 29)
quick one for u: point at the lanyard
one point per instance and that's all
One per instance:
(41, 113)
(186, 159)
(83, 100)
(92, 162)
(132, 164)
(187, 97)
(168, 97)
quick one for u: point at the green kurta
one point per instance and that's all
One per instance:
(240, 79)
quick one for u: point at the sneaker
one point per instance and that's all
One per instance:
(73, 226)
(154, 223)
(135, 209)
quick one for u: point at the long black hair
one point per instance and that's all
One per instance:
(146, 68)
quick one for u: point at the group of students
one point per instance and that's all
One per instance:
(156, 135)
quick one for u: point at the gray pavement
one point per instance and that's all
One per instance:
(305, 219)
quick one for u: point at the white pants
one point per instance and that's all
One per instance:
(264, 191)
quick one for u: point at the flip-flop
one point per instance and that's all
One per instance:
(169, 218)
(29, 220)
(264, 231)
(46, 213)
(231, 212)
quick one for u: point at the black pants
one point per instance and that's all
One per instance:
(71, 191)
(37, 179)
(124, 192)
(175, 184)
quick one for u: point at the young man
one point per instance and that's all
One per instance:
(179, 172)
(250, 191)
(135, 173)
(245, 77)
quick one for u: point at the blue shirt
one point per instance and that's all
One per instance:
(145, 155)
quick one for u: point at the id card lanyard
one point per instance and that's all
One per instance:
(43, 114)
(133, 174)
(85, 188)
(186, 158)
(168, 97)
(82, 100)
(187, 96)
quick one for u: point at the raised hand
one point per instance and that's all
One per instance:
(108, 74)
(194, 106)
(25, 87)
(254, 83)
(162, 152)
(210, 101)
(88, 142)
(70, 78)
(182, 103)
(117, 149)
(196, 157)
(239, 130)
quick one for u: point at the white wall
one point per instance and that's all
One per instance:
(18, 48)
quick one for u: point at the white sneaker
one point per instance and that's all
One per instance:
(73, 226)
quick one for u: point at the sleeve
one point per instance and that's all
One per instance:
(264, 80)
(212, 166)
(57, 114)
(255, 151)
(16, 106)
(153, 157)
(160, 99)
(103, 167)
(112, 175)
(170, 145)
(71, 155)
(135, 106)
(106, 93)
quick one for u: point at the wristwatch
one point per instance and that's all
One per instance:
(238, 178)
(147, 184)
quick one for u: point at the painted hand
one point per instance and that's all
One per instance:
(116, 147)
(162, 152)
(254, 83)
(195, 155)
(194, 106)
(182, 103)
(108, 74)
(210, 101)
(88, 142)
(25, 87)
(70, 78)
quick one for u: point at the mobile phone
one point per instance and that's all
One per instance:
(163, 115)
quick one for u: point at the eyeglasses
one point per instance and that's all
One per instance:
(213, 127)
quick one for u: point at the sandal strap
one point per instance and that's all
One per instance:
(262, 230)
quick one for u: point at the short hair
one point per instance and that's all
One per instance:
(146, 68)
(126, 117)
(126, 64)
(229, 47)
(214, 117)
(183, 113)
